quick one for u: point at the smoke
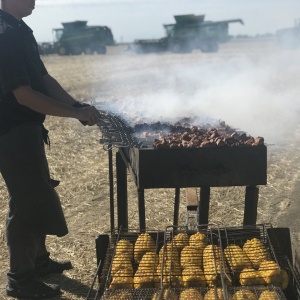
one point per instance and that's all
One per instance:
(258, 94)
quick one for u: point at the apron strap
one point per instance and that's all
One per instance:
(45, 135)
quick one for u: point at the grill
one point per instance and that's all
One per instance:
(161, 276)
(179, 168)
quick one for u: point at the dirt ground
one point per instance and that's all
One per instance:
(78, 160)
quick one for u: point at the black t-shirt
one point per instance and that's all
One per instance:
(20, 64)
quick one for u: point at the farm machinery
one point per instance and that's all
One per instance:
(188, 33)
(77, 37)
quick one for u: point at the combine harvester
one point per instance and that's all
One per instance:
(188, 33)
(75, 38)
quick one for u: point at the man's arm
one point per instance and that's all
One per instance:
(41, 103)
(56, 91)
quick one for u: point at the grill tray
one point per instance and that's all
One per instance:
(165, 287)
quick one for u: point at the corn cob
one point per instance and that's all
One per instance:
(268, 295)
(244, 295)
(143, 244)
(216, 294)
(213, 265)
(236, 258)
(189, 294)
(193, 277)
(272, 274)
(256, 251)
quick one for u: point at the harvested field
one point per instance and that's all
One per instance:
(259, 95)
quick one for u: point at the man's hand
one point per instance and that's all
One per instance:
(89, 111)
(88, 115)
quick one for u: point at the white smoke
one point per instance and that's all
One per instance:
(259, 95)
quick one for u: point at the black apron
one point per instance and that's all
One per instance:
(25, 170)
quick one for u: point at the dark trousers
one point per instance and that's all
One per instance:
(26, 248)
(34, 206)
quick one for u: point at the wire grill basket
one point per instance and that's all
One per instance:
(208, 260)
(115, 132)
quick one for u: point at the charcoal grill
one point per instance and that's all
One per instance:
(184, 168)
(276, 241)
(179, 168)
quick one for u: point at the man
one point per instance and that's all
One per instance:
(27, 94)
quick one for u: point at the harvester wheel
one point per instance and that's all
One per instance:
(88, 50)
(187, 48)
(101, 50)
(209, 47)
(98, 48)
(63, 50)
(176, 48)
(214, 47)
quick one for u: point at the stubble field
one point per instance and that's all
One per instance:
(260, 102)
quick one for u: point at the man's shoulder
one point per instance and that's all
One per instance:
(4, 26)
(8, 34)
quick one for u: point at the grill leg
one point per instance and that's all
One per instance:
(204, 205)
(111, 190)
(142, 214)
(102, 242)
(251, 200)
(176, 206)
(122, 198)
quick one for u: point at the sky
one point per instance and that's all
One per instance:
(137, 19)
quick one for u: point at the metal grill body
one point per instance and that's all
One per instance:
(191, 167)
(197, 167)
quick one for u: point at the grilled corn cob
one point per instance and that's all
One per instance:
(244, 295)
(268, 295)
(272, 274)
(216, 294)
(251, 277)
(189, 294)
(165, 295)
(193, 277)
(256, 251)
(191, 256)
(198, 240)
(169, 252)
(121, 262)
(213, 265)
(236, 258)
(181, 240)
(143, 244)
(125, 248)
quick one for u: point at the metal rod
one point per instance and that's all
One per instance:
(176, 206)
(122, 197)
(111, 190)
(94, 280)
(141, 204)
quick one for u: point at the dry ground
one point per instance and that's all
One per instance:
(77, 159)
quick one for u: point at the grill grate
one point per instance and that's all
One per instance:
(167, 273)
(115, 132)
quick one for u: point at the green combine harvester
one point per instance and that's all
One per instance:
(75, 38)
(188, 33)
